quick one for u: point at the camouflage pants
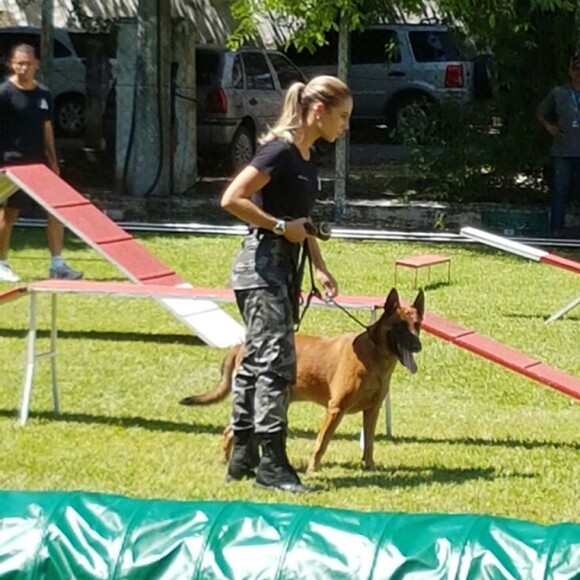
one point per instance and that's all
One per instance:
(261, 386)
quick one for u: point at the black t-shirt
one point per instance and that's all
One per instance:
(293, 187)
(22, 117)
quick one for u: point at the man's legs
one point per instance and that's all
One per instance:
(8, 217)
(55, 235)
(561, 182)
(574, 193)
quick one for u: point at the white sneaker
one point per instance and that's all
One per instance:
(7, 274)
(64, 272)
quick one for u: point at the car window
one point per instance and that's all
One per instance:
(433, 46)
(207, 67)
(80, 41)
(258, 75)
(374, 46)
(237, 73)
(11, 40)
(60, 50)
(286, 71)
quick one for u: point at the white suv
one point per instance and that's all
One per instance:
(68, 79)
(239, 93)
(396, 71)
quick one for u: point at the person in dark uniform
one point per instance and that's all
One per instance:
(26, 137)
(275, 195)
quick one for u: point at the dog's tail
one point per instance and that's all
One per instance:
(224, 386)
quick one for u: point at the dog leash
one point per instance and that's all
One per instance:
(349, 314)
(315, 293)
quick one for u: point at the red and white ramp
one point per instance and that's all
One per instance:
(520, 249)
(212, 324)
(530, 253)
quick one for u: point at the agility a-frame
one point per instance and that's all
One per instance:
(210, 322)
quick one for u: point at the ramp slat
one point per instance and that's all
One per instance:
(556, 379)
(88, 221)
(499, 353)
(445, 329)
(44, 186)
(13, 294)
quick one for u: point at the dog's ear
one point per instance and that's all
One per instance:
(392, 302)
(419, 304)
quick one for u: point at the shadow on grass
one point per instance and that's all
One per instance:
(401, 477)
(124, 422)
(544, 317)
(471, 441)
(35, 238)
(172, 426)
(479, 442)
(187, 339)
(436, 285)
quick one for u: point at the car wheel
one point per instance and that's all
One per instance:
(242, 148)
(70, 115)
(413, 120)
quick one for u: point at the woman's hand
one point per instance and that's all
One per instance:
(327, 281)
(295, 231)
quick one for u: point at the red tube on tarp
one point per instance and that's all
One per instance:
(48, 535)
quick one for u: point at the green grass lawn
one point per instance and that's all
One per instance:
(470, 436)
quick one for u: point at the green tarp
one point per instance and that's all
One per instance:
(85, 536)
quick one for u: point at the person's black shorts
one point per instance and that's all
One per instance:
(21, 200)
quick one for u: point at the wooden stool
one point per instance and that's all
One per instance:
(425, 261)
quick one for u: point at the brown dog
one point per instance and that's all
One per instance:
(347, 373)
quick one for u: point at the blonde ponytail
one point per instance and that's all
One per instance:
(328, 90)
(290, 119)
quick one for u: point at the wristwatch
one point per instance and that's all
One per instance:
(280, 228)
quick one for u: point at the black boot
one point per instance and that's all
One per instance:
(275, 470)
(245, 456)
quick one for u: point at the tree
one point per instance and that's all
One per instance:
(308, 21)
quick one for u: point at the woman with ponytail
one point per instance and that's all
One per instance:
(275, 195)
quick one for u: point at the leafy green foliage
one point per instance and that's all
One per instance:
(308, 21)
(496, 142)
(470, 436)
(498, 151)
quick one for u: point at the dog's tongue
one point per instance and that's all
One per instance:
(409, 361)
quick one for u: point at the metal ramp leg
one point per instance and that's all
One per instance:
(52, 354)
(32, 356)
(30, 362)
(564, 310)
